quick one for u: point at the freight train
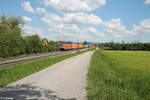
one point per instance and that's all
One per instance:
(74, 46)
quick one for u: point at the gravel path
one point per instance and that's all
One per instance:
(65, 80)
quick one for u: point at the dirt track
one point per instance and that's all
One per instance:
(65, 80)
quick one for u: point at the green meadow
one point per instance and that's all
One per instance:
(119, 75)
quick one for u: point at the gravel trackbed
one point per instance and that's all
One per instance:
(65, 80)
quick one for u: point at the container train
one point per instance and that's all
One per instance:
(74, 46)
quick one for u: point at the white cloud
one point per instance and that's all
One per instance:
(25, 18)
(74, 5)
(41, 11)
(51, 18)
(73, 32)
(144, 27)
(28, 30)
(27, 7)
(69, 36)
(147, 2)
(117, 35)
(73, 23)
(67, 27)
(74, 18)
(82, 18)
(95, 32)
(115, 27)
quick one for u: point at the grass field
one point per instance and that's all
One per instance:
(119, 75)
(18, 71)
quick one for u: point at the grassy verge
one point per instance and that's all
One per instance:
(18, 71)
(119, 75)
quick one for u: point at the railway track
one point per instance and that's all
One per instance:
(8, 62)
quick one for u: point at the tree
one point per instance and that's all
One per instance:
(68, 42)
(85, 43)
(13, 44)
(10, 25)
(11, 41)
(135, 46)
(33, 44)
(53, 46)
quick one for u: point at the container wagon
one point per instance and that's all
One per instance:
(86, 46)
(74, 46)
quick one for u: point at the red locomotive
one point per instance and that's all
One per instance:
(74, 46)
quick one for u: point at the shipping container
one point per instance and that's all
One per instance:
(66, 46)
(86, 46)
(74, 46)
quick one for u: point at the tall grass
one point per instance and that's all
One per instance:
(119, 75)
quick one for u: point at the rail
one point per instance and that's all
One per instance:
(4, 62)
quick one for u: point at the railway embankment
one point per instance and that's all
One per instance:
(18, 71)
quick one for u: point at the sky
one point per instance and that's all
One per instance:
(82, 20)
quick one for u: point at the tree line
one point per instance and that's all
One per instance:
(12, 43)
(134, 46)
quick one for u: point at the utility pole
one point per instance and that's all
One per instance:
(77, 46)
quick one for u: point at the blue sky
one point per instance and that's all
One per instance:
(90, 20)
